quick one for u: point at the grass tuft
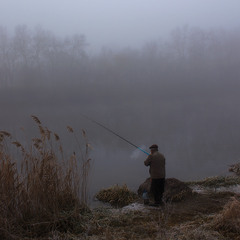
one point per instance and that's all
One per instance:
(118, 196)
(228, 220)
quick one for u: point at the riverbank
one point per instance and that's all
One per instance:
(209, 214)
(201, 216)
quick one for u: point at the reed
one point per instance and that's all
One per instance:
(40, 190)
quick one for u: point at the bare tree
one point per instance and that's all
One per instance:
(5, 69)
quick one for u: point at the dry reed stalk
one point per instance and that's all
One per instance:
(17, 144)
(1, 137)
(85, 171)
(5, 133)
(35, 198)
(36, 119)
(48, 133)
(57, 138)
(3, 141)
(84, 164)
(70, 129)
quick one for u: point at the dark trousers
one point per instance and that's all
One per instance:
(157, 188)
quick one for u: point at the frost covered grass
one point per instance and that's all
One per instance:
(217, 181)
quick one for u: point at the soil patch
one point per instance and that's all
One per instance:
(191, 218)
(198, 205)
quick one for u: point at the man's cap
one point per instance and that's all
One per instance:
(154, 146)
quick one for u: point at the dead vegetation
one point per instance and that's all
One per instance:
(217, 182)
(228, 220)
(118, 196)
(43, 196)
(40, 191)
(207, 216)
(235, 168)
(210, 216)
(199, 217)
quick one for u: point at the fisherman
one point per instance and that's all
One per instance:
(156, 161)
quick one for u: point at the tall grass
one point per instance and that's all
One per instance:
(40, 189)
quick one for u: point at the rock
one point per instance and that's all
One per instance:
(175, 190)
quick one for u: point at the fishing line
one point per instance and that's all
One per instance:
(111, 131)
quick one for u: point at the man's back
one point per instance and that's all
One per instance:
(156, 161)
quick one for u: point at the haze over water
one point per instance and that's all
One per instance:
(154, 72)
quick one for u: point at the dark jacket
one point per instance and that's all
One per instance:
(156, 161)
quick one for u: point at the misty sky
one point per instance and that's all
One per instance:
(182, 95)
(119, 23)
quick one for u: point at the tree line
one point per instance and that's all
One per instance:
(182, 92)
(37, 56)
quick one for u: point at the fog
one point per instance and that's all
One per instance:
(171, 79)
(118, 23)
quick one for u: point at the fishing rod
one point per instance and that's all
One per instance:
(111, 131)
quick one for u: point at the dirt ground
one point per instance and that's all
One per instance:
(199, 204)
(191, 218)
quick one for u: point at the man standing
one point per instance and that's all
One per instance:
(156, 161)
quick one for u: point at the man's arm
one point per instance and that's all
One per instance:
(147, 162)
